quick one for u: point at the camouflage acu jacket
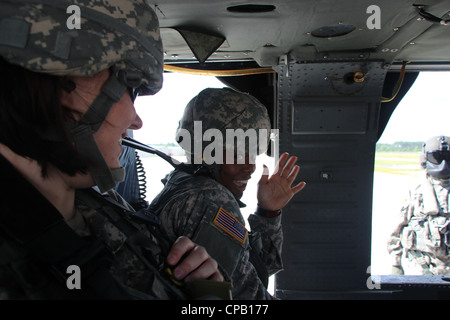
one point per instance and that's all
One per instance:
(203, 209)
(129, 268)
(420, 243)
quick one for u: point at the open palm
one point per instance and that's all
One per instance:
(275, 192)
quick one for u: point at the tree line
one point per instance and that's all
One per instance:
(400, 146)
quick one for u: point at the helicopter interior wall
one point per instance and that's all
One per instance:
(332, 125)
(264, 88)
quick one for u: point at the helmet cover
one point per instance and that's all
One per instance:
(224, 110)
(37, 35)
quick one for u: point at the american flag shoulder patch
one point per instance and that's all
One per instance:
(230, 225)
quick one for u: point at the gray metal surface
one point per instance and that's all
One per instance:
(330, 123)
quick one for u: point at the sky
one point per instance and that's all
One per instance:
(160, 113)
(423, 112)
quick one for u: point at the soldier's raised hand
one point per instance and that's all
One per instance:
(275, 192)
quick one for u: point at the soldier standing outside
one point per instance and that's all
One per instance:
(420, 243)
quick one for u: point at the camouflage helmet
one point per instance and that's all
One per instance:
(435, 157)
(221, 110)
(84, 37)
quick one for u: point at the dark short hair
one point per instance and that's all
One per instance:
(32, 118)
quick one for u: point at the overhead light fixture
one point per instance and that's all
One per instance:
(333, 30)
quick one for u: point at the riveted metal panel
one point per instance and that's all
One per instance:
(330, 122)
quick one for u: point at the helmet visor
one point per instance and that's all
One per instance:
(437, 156)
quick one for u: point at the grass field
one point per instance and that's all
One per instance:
(403, 163)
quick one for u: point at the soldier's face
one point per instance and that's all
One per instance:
(122, 115)
(235, 176)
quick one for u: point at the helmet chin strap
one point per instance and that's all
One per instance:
(83, 134)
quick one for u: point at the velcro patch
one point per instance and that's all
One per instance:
(230, 225)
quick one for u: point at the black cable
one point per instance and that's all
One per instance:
(142, 179)
(127, 141)
(432, 18)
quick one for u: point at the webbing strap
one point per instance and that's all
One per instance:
(111, 92)
(83, 131)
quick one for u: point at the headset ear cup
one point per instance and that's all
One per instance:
(423, 160)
